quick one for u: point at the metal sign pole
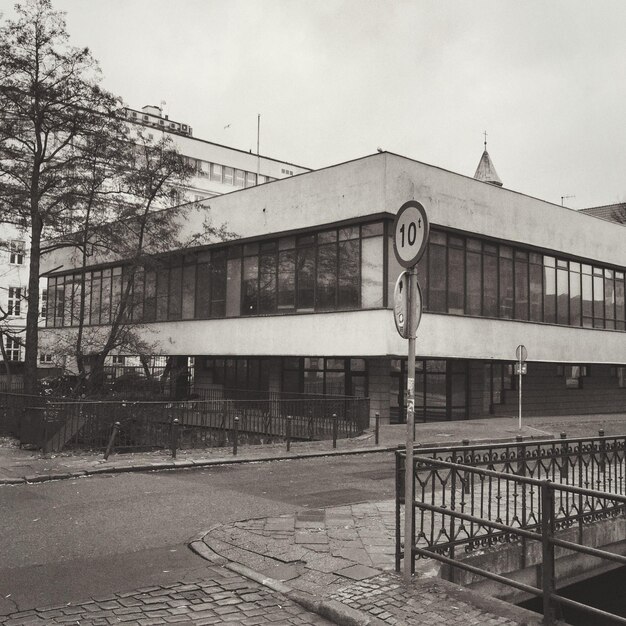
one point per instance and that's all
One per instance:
(519, 397)
(409, 477)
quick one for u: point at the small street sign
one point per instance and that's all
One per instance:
(410, 233)
(401, 303)
(521, 368)
(521, 353)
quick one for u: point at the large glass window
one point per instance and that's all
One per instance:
(286, 279)
(506, 282)
(609, 298)
(490, 280)
(521, 285)
(587, 294)
(473, 260)
(575, 301)
(437, 272)
(372, 272)
(598, 297)
(349, 279)
(549, 289)
(562, 292)
(456, 275)
(620, 307)
(306, 276)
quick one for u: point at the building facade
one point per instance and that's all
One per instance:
(301, 301)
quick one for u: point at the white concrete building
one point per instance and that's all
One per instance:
(301, 301)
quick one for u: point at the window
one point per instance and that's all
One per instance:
(118, 359)
(620, 373)
(216, 173)
(240, 178)
(250, 179)
(44, 303)
(45, 358)
(573, 374)
(229, 176)
(13, 348)
(15, 301)
(16, 256)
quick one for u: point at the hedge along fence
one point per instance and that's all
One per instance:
(56, 425)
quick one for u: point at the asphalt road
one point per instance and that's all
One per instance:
(70, 540)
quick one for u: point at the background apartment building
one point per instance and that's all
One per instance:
(219, 170)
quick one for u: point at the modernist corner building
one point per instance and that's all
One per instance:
(302, 300)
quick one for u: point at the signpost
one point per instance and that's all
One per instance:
(520, 369)
(409, 242)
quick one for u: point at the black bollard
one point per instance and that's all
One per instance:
(335, 430)
(288, 432)
(235, 435)
(116, 429)
(376, 427)
(174, 441)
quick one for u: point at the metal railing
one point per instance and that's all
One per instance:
(480, 496)
(201, 423)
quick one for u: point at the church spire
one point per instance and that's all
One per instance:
(485, 170)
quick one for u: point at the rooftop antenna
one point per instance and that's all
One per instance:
(565, 198)
(485, 134)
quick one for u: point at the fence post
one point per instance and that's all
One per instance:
(235, 434)
(376, 427)
(44, 432)
(602, 451)
(564, 458)
(547, 548)
(521, 455)
(116, 429)
(467, 477)
(334, 430)
(174, 440)
(288, 432)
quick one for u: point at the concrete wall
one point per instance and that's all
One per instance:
(522, 561)
(466, 204)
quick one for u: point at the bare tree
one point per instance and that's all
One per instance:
(50, 103)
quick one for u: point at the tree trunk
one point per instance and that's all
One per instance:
(32, 314)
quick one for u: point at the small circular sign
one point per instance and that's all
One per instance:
(410, 233)
(404, 311)
(521, 353)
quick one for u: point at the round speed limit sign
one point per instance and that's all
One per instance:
(410, 233)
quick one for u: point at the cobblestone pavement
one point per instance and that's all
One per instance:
(346, 554)
(222, 597)
(388, 599)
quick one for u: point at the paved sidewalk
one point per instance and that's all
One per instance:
(340, 561)
(222, 597)
(19, 466)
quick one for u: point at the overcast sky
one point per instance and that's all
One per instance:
(335, 80)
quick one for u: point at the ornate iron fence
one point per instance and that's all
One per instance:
(474, 497)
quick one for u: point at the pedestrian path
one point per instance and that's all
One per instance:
(221, 597)
(344, 557)
(19, 466)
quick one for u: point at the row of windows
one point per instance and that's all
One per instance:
(226, 175)
(469, 276)
(344, 268)
(335, 269)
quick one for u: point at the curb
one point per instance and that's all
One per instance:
(154, 466)
(330, 609)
